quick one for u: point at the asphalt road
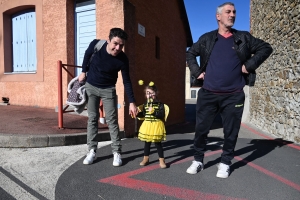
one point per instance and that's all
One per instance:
(263, 168)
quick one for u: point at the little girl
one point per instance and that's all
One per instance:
(154, 114)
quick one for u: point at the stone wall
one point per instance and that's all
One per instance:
(275, 98)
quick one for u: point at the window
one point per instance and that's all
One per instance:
(35, 53)
(84, 2)
(193, 94)
(24, 41)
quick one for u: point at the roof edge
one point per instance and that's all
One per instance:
(183, 14)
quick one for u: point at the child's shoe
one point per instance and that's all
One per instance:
(162, 163)
(145, 161)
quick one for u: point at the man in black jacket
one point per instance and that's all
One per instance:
(228, 60)
(102, 76)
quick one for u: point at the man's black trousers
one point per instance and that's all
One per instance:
(209, 104)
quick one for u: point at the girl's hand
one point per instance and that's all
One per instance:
(151, 110)
(139, 110)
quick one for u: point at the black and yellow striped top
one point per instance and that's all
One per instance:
(157, 114)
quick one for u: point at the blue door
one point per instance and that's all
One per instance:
(85, 31)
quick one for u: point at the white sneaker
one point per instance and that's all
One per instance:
(223, 170)
(117, 160)
(90, 157)
(195, 167)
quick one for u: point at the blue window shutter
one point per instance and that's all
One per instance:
(24, 41)
(31, 41)
(16, 25)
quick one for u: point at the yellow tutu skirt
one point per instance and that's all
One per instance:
(152, 131)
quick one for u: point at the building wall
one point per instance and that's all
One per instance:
(55, 41)
(161, 19)
(275, 99)
(22, 89)
(109, 14)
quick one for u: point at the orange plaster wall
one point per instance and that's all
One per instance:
(55, 41)
(39, 89)
(22, 89)
(109, 14)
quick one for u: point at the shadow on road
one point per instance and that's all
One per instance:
(258, 148)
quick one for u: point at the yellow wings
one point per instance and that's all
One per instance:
(167, 110)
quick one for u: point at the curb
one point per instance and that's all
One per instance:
(49, 140)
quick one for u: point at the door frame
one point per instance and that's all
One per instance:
(76, 11)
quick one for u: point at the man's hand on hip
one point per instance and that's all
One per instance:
(244, 70)
(201, 76)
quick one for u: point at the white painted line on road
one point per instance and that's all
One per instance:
(216, 143)
(14, 189)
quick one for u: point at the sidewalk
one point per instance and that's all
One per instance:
(23, 126)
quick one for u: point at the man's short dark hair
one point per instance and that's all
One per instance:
(117, 32)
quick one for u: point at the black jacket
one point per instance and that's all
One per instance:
(251, 51)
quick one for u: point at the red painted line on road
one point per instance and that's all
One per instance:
(267, 137)
(267, 172)
(161, 189)
(124, 180)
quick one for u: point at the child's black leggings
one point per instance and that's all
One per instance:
(158, 146)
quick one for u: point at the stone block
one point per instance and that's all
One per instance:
(56, 140)
(5, 140)
(38, 141)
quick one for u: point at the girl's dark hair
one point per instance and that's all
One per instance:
(153, 87)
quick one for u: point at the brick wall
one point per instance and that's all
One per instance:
(161, 19)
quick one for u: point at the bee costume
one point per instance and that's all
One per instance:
(153, 126)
